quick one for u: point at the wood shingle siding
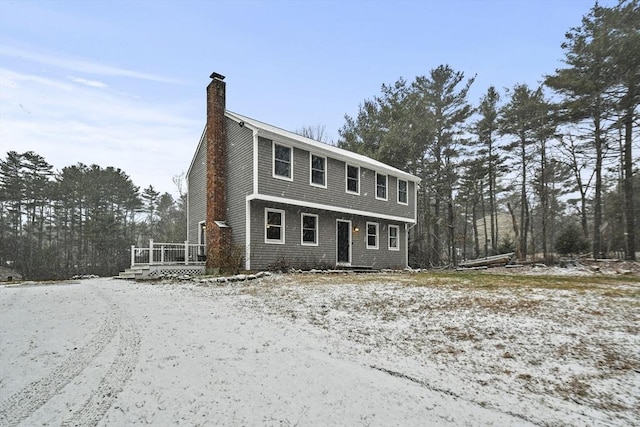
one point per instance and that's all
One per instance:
(239, 178)
(294, 253)
(197, 191)
(335, 194)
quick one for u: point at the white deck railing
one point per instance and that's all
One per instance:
(168, 253)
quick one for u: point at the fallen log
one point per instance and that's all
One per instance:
(501, 259)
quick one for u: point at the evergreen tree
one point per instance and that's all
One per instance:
(583, 85)
(520, 118)
(485, 130)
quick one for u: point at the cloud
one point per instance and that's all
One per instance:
(67, 123)
(81, 65)
(90, 83)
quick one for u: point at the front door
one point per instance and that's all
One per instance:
(343, 231)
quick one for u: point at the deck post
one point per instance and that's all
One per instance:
(186, 252)
(133, 255)
(150, 251)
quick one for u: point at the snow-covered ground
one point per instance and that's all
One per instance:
(320, 350)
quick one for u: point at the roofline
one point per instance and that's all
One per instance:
(273, 132)
(193, 159)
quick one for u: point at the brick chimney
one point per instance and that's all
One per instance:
(218, 234)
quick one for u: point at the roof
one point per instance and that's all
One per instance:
(272, 132)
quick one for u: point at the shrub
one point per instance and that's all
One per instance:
(570, 241)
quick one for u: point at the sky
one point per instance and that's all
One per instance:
(122, 83)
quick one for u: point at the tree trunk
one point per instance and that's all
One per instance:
(522, 242)
(544, 197)
(452, 232)
(597, 201)
(484, 221)
(516, 231)
(630, 234)
(476, 240)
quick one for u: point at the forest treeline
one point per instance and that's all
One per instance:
(80, 220)
(534, 170)
(539, 171)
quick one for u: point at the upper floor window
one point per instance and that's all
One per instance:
(394, 232)
(381, 186)
(353, 179)
(274, 225)
(372, 235)
(282, 161)
(309, 229)
(403, 197)
(318, 171)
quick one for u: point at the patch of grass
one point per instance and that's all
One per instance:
(616, 361)
(525, 377)
(609, 286)
(490, 280)
(574, 387)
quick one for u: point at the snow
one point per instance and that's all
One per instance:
(318, 350)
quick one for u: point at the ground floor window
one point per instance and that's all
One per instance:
(372, 235)
(394, 232)
(274, 225)
(309, 229)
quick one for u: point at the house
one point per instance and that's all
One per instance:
(279, 198)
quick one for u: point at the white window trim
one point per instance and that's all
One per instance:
(406, 192)
(366, 235)
(302, 242)
(311, 155)
(346, 179)
(386, 187)
(273, 161)
(397, 228)
(282, 226)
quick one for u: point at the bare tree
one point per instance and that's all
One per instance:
(317, 132)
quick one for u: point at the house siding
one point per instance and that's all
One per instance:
(239, 183)
(293, 253)
(197, 191)
(239, 178)
(335, 192)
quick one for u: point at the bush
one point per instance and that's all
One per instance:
(570, 241)
(233, 260)
(506, 245)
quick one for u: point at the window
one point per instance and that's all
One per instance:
(372, 235)
(309, 229)
(318, 167)
(282, 160)
(353, 179)
(274, 226)
(402, 192)
(381, 186)
(394, 232)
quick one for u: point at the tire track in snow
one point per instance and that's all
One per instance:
(450, 393)
(28, 400)
(93, 410)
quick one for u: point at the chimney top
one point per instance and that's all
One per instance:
(216, 76)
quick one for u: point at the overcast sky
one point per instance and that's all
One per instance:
(122, 84)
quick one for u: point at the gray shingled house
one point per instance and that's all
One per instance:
(277, 197)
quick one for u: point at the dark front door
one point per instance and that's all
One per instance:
(344, 242)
